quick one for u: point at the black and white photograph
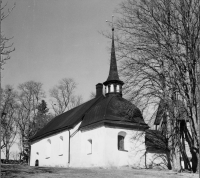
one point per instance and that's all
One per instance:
(100, 88)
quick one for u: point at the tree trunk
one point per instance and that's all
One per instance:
(7, 153)
(169, 166)
(193, 151)
(194, 160)
(176, 166)
(182, 146)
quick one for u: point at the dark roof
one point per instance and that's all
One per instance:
(116, 109)
(155, 142)
(66, 120)
(111, 111)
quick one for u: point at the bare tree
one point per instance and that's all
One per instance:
(64, 97)
(8, 124)
(158, 45)
(92, 95)
(5, 49)
(41, 118)
(14, 155)
(6, 46)
(30, 95)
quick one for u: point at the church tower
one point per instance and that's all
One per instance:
(113, 85)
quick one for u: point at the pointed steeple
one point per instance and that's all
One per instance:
(113, 73)
(113, 84)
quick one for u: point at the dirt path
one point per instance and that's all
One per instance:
(20, 171)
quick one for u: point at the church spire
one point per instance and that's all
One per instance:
(113, 73)
(113, 84)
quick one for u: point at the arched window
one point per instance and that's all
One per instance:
(36, 162)
(37, 159)
(89, 146)
(61, 146)
(48, 148)
(120, 140)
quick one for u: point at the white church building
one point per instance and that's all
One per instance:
(102, 132)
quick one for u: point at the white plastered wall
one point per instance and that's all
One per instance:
(133, 144)
(105, 151)
(55, 158)
(80, 149)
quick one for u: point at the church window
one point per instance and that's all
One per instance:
(118, 89)
(37, 159)
(36, 162)
(61, 146)
(121, 142)
(111, 88)
(48, 148)
(89, 147)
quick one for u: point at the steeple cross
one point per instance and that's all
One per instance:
(111, 22)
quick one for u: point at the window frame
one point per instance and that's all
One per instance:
(121, 141)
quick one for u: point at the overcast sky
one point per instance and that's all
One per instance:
(55, 39)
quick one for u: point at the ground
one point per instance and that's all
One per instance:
(21, 171)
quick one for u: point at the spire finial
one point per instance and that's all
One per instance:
(112, 23)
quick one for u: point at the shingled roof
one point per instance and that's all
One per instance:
(114, 110)
(66, 120)
(111, 111)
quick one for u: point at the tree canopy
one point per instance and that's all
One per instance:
(158, 47)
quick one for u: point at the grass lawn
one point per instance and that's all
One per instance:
(21, 171)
